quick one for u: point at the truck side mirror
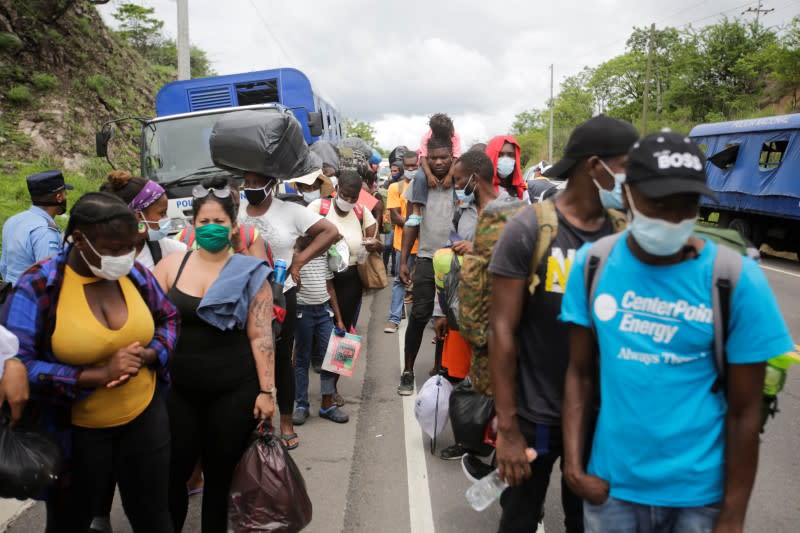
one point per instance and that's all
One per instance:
(315, 123)
(101, 139)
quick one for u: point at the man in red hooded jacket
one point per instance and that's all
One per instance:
(504, 152)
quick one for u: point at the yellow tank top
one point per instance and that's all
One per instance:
(80, 339)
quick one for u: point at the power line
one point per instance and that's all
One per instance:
(272, 33)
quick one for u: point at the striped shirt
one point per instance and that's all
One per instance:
(314, 278)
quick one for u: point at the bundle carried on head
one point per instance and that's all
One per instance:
(328, 153)
(269, 142)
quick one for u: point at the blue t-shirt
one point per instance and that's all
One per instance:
(659, 438)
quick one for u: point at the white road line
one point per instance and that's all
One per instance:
(780, 271)
(419, 494)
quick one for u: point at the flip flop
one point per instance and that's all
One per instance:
(291, 436)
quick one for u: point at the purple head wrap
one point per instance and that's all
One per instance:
(151, 192)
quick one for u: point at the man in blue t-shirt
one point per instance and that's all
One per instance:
(659, 460)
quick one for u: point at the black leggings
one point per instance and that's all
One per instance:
(284, 370)
(137, 455)
(215, 426)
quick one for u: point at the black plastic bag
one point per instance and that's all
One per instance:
(269, 142)
(327, 152)
(30, 462)
(268, 492)
(451, 282)
(470, 412)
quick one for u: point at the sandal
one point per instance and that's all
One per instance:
(334, 414)
(286, 439)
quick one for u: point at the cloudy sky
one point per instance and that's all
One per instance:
(393, 64)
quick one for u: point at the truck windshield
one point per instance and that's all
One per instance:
(178, 148)
(174, 149)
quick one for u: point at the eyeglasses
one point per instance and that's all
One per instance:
(201, 192)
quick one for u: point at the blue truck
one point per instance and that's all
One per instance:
(174, 145)
(754, 167)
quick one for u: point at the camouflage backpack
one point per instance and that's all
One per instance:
(475, 289)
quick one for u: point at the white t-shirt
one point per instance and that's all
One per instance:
(349, 227)
(168, 246)
(280, 226)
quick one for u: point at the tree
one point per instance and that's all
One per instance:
(784, 60)
(531, 119)
(362, 130)
(138, 26)
(166, 53)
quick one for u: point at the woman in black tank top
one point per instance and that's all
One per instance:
(222, 380)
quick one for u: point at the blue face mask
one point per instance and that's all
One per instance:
(462, 195)
(160, 233)
(311, 196)
(656, 236)
(505, 166)
(611, 199)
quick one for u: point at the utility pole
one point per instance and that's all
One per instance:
(184, 66)
(758, 11)
(552, 105)
(646, 98)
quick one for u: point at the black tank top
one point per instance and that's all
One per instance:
(206, 357)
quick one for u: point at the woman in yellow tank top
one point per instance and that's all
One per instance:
(103, 332)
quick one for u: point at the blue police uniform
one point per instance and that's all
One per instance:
(31, 236)
(28, 237)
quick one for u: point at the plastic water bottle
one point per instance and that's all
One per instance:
(489, 488)
(279, 272)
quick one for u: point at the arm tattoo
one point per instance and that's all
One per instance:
(259, 330)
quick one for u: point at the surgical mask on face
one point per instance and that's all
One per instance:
(311, 196)
(112, 267)
(505, 166)
(463, 195)
(656, 236)
(611, 199)
(213, 237)
(162, 231)
(344, 205)
(257, 196)
(409, 174)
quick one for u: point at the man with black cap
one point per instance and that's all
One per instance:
(528, 352)
(676, 442)
(32, 235)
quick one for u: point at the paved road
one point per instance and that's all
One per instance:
(376, 473)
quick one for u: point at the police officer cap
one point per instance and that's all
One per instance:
(47, 182)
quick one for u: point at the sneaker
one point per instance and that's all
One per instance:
(474, 468)
(452, 453)
(101, 524)
(334, 414)
(406, 387)
(390, 327)
(299, 416)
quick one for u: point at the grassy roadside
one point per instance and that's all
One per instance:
(14, 196)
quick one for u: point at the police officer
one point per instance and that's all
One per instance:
(32, 235)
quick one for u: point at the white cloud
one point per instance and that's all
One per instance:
(395, 64)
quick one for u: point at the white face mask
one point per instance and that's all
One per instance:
(656, 236)
(111, 267)
(409, 174)
(344, 205)
(505, 166)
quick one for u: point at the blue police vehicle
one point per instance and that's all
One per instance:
(174, 145)
(754, 167)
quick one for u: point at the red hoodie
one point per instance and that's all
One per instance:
(493, 151)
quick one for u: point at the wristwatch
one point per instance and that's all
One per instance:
(271, 391)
